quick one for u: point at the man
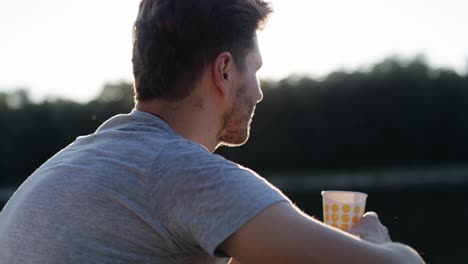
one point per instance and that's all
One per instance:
(146, 187)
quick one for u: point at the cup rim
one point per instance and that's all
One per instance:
(349, 192)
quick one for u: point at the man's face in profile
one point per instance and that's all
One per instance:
(237, 118)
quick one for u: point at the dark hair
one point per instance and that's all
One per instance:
(173, 40)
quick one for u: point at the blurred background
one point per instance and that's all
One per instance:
(358, 95)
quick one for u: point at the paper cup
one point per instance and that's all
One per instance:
(343, 209)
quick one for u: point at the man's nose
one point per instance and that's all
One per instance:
(260, 94)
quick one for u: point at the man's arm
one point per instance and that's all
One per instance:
(233, 261)
(283, 234)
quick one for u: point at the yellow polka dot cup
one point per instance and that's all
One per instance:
(343, 209)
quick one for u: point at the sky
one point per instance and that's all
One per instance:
(70, 49)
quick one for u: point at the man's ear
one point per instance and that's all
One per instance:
(223, 67)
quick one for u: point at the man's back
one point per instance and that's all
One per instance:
(133, 192)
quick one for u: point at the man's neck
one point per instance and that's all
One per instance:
(190, 118)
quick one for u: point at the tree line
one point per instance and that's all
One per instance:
(396, 113)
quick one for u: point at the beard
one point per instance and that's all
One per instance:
(236, 120)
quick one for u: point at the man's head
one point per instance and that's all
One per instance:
(174, 40)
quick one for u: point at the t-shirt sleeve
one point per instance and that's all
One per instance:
(203, 198)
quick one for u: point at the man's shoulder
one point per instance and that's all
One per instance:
(183, 151)
(137, 131)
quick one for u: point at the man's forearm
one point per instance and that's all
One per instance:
(283, 234)
(404, 254)
(400, 254)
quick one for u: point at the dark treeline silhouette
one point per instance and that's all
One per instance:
(33, 132)
(397, 113)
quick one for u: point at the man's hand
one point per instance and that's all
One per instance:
(370, 229)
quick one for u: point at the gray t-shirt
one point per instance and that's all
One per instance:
(132, 192)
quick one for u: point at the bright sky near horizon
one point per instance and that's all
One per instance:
(69, 49)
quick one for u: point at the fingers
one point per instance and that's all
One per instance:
(371, 229)
(370, 218)
(370, 214)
